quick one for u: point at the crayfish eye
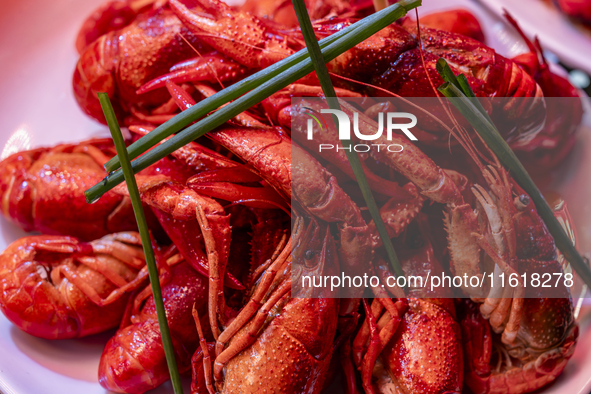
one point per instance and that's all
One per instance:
(416, 242)
(309, 255)
(522, 201)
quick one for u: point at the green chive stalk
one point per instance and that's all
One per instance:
(333, 103)
(140, 218)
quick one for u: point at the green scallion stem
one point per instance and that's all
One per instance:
(365, 28)
(333, 103)
(486, 129)
(446, 72)
(140, 218)
(461, 82)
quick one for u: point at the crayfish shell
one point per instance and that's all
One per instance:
(133, 361)
(292, 355)
(425, 354)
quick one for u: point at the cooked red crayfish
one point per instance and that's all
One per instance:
(556, 139)
(301, 328)
(117, 63)
(133, 360)
(489, 73)
(458, 21)
(563, 116)
(250, 322)
(43, 190)
(58, 287)
(410, 345)
(201, 231)
(384, 61)
(538, 334)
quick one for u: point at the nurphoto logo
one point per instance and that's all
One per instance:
(392, 124)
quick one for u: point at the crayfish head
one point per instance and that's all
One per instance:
(533, 239)
(314, 258)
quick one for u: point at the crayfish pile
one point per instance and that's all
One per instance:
(231, 214)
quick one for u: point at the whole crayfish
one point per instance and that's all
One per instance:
(59, 287)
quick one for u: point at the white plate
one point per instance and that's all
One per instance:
(570, 41)
(37, 108)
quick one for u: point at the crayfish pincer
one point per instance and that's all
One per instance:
(280, 341)
(410, 345)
